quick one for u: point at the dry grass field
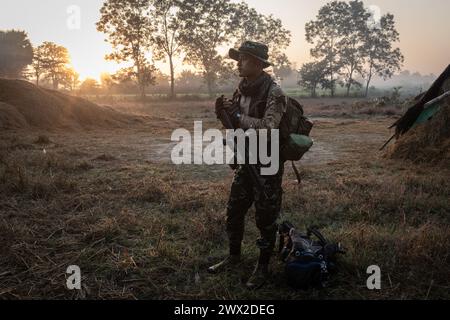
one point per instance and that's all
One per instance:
(139, 227)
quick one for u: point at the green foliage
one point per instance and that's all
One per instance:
(52, 61)
(89, 86)
(197, 28)
(206, 26)
(382, 59)
(166, 36)
(351, 47)
(144, 77)
(324, 33)
(16, 53)
(128, 27)
(344, 39)
(311, 75)
(249, 24)
(396, 95)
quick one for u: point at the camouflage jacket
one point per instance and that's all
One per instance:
(263, 111)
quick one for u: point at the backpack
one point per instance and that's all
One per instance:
(294, 132)
(308, 262)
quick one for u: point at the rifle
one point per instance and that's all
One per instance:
(251, 169)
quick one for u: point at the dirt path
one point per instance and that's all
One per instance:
(334, 140)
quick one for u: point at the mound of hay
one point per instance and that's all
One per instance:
(22, 104)
(428, 142)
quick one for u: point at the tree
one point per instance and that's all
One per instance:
(351, 45)
(266, 29)
(382, 59)
(189, 81)
(106, 82)
(37, 67)
(346, 36)
(128, 28)
(53, 62)
(206, 26)
(161, 82)
(89, 86)
(16, 53)
(143, 78)
(282, 67)
(311, 75)
(325, 34)
(70, 79)
(166, 37)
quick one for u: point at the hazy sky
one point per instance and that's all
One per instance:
(424, 28)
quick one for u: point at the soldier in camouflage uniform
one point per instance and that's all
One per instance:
(259, 103)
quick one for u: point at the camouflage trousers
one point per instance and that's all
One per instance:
(243, 194)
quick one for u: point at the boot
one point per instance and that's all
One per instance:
(258, 277)
(230, 262)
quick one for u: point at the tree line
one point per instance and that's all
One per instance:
(347, 45)
(142, 31)
(348, 41)
(48, 61)
(49, 65)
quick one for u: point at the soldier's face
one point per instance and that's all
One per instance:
(248, 66)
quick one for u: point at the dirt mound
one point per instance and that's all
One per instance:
(10, 117)
(22, 104)
(428, 142)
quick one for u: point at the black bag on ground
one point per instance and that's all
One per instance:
(308, 261)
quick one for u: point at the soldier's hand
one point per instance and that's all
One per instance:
(234, 111)
(223, 104)
(227, 104)
(219, 105)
